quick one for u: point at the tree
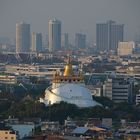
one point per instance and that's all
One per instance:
(106, 102)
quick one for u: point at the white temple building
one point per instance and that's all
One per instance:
(70, 88)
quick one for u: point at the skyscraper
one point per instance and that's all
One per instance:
(65, 41)
(108, 35)
(22, 37)
(36, 42)
(80, 40)
(54, 35)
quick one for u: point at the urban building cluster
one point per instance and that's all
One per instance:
(26, 129)
(36, 66)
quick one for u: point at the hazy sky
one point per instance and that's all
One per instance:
(75, 15)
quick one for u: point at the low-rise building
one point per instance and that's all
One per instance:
(118, 90)
(96, 90)
(107, 122)
(23, 129)
(69, 122)
(8, 135)
(8, 79)
(137, 99)
(125, 48)
(50, 126)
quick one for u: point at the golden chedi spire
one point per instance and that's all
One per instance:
(68, 69)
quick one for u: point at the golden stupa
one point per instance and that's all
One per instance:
(70, 88)
(68, 69)
(68, 75)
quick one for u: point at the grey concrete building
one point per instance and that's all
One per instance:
(54, 35)
(36, 42)
(118, 90)
(108, 35)
(80, 41)
(22, 37)
(65, 41)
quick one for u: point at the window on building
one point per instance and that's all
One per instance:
(6, 132)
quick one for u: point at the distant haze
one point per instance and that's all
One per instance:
(75, 15)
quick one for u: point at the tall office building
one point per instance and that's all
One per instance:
(54, 35)
(22, 37)
(36, 42)
(80, 40)
(108, 35)
(65, 41)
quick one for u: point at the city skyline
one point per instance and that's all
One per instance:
(72, 15)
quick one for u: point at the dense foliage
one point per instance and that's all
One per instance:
(54, 112)
(59, 112)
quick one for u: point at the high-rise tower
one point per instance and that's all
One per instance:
(22, 37)
(36, 42)
(65, 41)
(80, 41)
(108, 35)
(54, 35)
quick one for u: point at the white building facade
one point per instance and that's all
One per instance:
(125, 48)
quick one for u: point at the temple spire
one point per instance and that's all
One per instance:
(68, 69)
